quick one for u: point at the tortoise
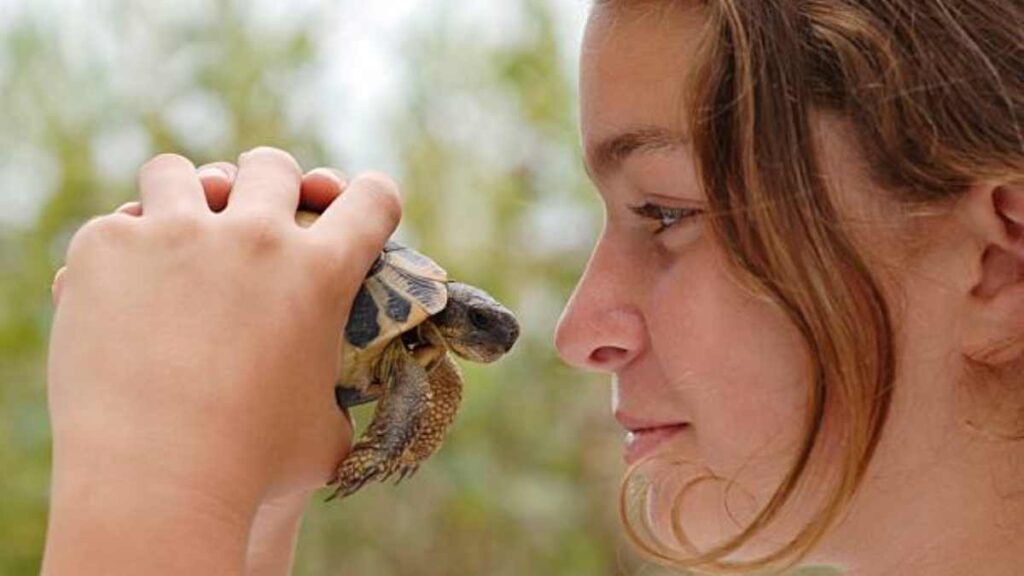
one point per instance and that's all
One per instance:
(405, 319)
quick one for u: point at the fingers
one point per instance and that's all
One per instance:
(130, 208)
(268, 182)
(361, 220)
(320, 187)
(217, 179)
(168, 185)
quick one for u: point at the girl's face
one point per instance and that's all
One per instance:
(702, 370)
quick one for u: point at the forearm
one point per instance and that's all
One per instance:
(110, 525)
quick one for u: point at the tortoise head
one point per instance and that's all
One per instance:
(476, 326)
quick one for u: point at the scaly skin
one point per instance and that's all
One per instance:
(397, 420)
(446, 395)
(412, 416)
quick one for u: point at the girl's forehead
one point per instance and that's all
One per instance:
(644, 31)
(634, 69)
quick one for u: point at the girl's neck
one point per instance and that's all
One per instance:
(957, 517)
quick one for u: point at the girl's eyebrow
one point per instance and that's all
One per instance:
(608, 155)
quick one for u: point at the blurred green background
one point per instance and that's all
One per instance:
(470, 105)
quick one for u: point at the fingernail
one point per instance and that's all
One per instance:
(55, 286)
(332, 174)
(213, 172)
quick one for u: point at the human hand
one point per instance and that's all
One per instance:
(194, 353)
(319, 188)
(275, 528)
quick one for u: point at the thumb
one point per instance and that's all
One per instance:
(359, 222)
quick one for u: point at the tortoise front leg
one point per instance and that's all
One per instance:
(396, 422)
(446, 387)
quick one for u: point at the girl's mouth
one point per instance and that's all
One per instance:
(645, 441)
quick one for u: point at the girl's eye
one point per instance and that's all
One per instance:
(666, 216)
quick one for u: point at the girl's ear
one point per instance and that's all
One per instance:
(1009, 204)
(995, 214)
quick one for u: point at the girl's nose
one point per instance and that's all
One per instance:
(601, 328)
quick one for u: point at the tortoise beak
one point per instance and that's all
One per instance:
(504, 343)
(512, 335)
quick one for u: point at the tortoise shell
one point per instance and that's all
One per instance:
(401, 290)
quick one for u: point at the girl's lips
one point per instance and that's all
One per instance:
(640, 443)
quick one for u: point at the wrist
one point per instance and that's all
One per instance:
(135, 458)
(274, 534)
(109, 521)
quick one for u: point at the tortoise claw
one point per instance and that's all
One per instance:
(346, 490)
(349, 397)
(360, 467)
(404, 471)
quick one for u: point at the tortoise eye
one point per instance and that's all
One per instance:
(479, 320)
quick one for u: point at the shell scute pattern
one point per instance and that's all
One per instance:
(363, 327)
(403, 288)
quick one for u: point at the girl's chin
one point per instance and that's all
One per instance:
(698, 503)
(710, 509)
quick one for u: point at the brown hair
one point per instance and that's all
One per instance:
(935, 93)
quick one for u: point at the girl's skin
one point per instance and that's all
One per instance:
(192, 363)
(684, 343)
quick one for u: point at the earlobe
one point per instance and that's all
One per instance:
(997, 329)
(996, 215)
(1000, 270)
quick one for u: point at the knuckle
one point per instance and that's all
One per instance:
(83, 240)
(166, 161)
(384, 191)
(323, 250)
(326, 254)
(96, 233)
(331, 262)
(179, 228)
(380, 181)
(261, 232)
(272, 155)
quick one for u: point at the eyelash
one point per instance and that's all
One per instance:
(666, 216)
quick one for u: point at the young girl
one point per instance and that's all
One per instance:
(809, 290)
(810, 286)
